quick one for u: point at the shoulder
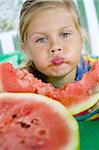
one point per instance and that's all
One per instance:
(90, 59)
(86, 63)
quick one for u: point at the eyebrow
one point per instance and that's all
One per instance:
(65, 27)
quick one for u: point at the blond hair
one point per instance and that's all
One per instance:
(30, 7)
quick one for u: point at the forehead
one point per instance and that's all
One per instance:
(52, 18)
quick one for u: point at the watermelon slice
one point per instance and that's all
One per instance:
(77, 96)
(34, 122)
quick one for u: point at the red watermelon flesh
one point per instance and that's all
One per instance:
(17, 80)
(77, 96)
(34, 122)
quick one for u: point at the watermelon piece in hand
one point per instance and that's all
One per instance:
(33, 122)
(77, 96)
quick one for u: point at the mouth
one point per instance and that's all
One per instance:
(57, 61)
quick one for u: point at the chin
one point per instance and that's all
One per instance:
(59, 75)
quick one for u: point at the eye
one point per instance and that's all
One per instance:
(65, 34)
(41, 40)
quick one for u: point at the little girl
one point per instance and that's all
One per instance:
(53, 39)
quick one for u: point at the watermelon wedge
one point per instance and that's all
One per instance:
(77, 96)
(35, 122)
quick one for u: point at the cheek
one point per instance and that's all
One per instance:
(73, 53)
(40, 65)
(77, 58)
(35, 55)
(39, 61)
(74, 56)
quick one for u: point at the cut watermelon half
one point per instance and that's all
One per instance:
(77, 96)
(31, 121)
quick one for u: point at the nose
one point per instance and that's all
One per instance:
(55, 48)
(56, 45)
(52, 51)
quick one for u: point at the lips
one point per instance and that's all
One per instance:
(57, 61)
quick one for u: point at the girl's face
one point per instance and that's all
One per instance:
(53, 42)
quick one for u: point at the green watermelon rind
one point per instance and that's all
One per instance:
(58, 107)
(88, 103)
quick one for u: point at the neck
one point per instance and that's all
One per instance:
(60, 81)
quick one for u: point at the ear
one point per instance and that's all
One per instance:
(25, 48)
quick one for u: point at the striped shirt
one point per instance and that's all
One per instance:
(86, 63)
